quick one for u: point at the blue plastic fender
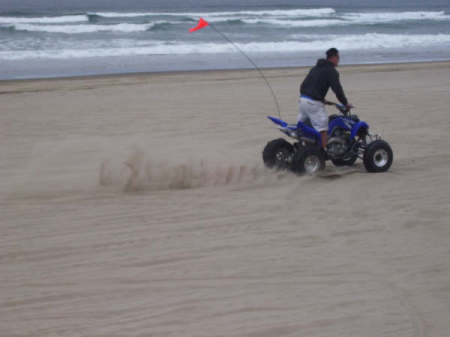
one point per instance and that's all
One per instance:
(310, 132)
(278, 121)
(338, 122)
(358, 126)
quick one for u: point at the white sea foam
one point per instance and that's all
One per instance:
(348, 19)
(44, 19)
(123, 15)
(293, 12)
(370, 18)
(301, 43)
(307, 12)
(297, 23)
(312, 12)
(315, 17)
(80, 29)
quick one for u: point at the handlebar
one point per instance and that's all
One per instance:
(341, 107)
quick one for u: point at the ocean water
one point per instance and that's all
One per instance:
(38, 39)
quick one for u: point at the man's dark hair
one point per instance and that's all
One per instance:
(332, 52)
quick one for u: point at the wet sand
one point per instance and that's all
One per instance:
(138, 205)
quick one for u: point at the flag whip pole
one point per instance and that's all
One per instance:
(203, 23)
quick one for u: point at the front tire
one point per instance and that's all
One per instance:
(310, 160)
(277, 154)
(378, 156)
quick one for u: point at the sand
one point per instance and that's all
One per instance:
(138, 205)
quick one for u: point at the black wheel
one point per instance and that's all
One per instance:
(344, 162)
(310, 159)
(378, 156)
(277, 154)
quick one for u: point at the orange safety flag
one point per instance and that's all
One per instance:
(201, 24)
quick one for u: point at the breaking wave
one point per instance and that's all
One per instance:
(350, 19)
(295, 17)
(297, 23)
(110, 34)
(297, 42)
(44, 19)
(313, 12)
(314, 17)
(80, 29)
(382, 17)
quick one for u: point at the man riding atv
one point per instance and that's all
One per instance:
(342, 139)
(314, 89)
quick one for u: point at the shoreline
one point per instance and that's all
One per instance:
(209, 71)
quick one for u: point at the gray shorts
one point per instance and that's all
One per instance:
(315, 111)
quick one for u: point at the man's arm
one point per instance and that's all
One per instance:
(337, 87)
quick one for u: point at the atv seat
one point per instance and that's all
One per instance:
(307, 122)
(332, 117)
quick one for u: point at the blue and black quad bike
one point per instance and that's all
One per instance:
(348, 140)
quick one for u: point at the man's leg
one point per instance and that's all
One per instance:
(324, 137)
(319, 120)
(302, 108)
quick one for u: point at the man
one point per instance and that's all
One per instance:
(314, 89)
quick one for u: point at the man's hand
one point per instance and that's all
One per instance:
(349, 106)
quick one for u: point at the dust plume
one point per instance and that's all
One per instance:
(140, 171)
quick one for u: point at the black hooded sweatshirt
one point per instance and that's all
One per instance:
(320, 78)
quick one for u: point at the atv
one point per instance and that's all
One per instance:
(348, 140)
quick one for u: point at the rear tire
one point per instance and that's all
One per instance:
(310, 160)
(277, 154)
(378, 156)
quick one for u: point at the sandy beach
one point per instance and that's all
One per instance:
(138, 205)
